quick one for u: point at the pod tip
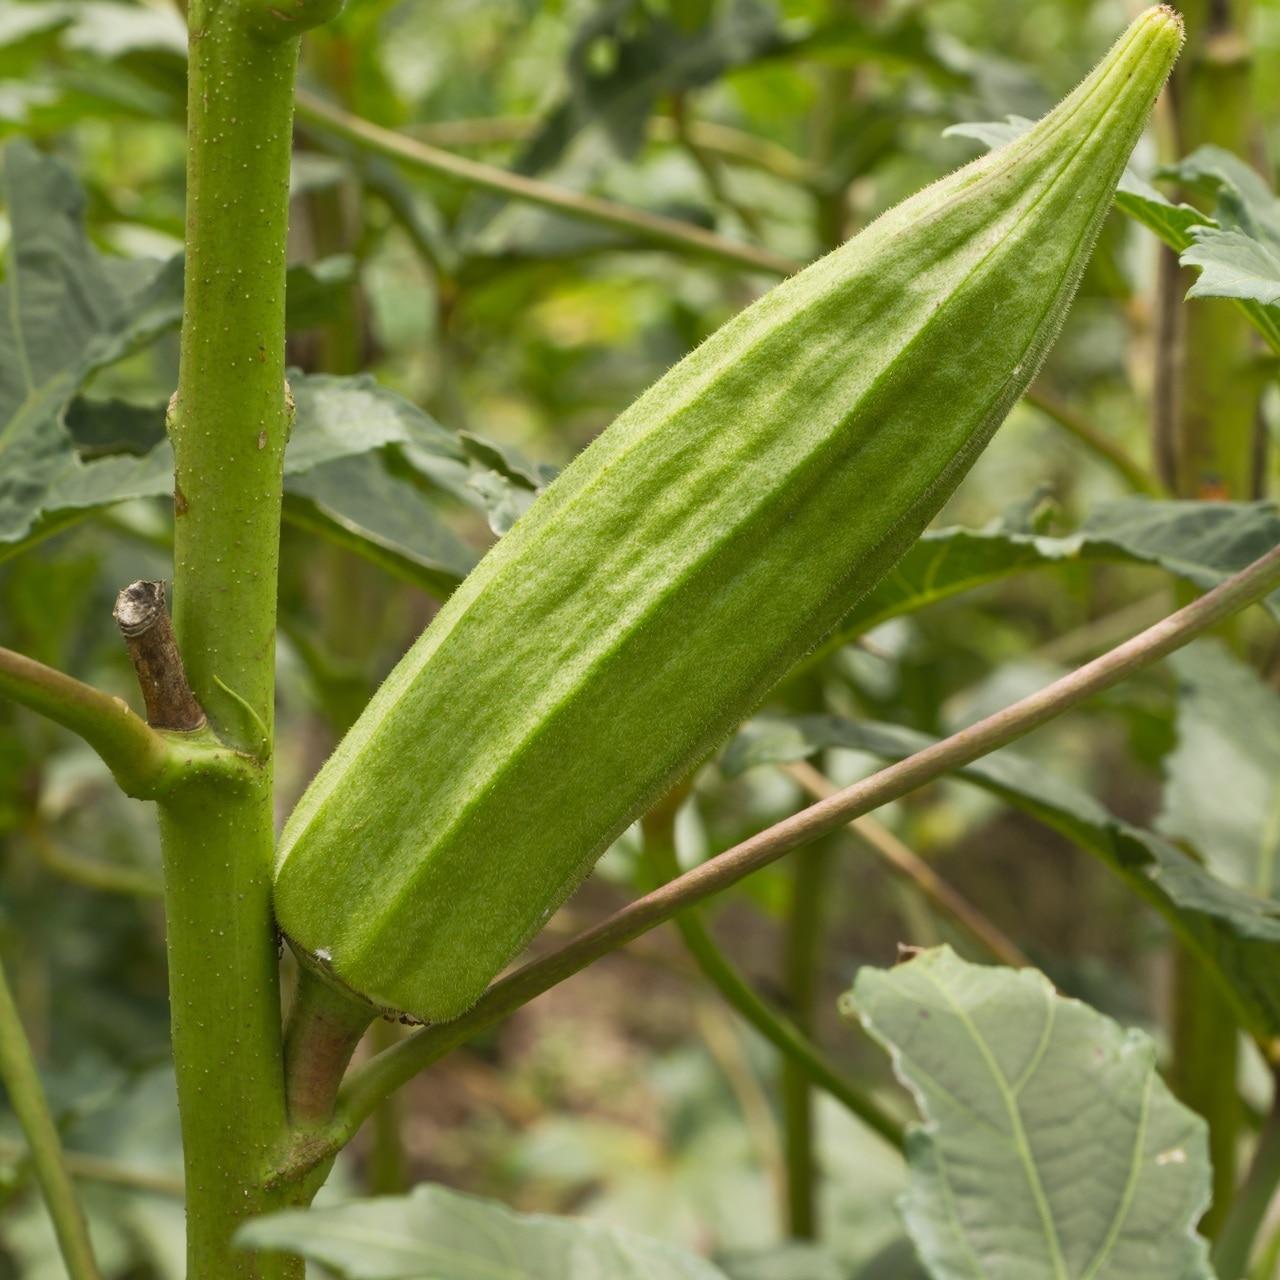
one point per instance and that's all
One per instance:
(1169, 14)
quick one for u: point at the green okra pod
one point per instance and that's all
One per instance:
(685, 560)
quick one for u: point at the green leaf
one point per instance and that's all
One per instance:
(1235, 932)
(63, 315)
(792, 1261)
(1244, 199)
(903, 44)
(1223, 780)
(66, 312)
(503, 479)
(1199, 542)
(99, 27)
(340, 416)
(623, 58)
(1233, 265)
(435, 1234)
(1050, 1148)
(357, 502)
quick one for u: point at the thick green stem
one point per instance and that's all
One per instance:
(26, 1097)
(229, 423)
(1202, 1072)
(801, 969)
(1206, 435)
(1207, 428)
(1253, 1201)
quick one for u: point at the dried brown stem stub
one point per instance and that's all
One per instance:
(148, 635)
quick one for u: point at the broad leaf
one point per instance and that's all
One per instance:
(1050, 1148)
(358, 502)
(1199, 542)
(64, 313)
(1235, 932)
(1223, 780)
(435, 1234)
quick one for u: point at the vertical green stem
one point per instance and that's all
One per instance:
(1206, 1039)
(810, 886)
(229, 424)
(1249, 1211)
(1206, 434)
(386, 1173)
(1208, 428)
(743, 999)
(26, 1097)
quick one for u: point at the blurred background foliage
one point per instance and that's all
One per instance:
(631, 1093)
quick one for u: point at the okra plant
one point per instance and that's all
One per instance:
(666, 641)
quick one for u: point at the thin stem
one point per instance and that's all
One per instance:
(801, 970)
(708, 166)
(91, 873)
(26, 1097)
(386, 1172)
(88, 1168)
(903, 859)
(652, 227)
(1097, 442)
(719, 139)
(392, 1068)
(1203, 1068)
(136, 754)
(779, 1030)
(1253, 1201)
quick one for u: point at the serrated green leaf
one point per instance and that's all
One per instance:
(1237, 252)
(1199, 542)
(340, 416)
(1050, 1148)
(435, 1234)
(1236, 932)
(1233, 265)
(1244, 199)
(1222, 792)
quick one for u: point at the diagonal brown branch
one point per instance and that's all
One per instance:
(654, 228)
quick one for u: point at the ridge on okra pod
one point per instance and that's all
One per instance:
(683, 562)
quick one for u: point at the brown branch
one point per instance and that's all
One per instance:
(148, 635)
(390, 1069)
(907, 862)
(655, 228)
